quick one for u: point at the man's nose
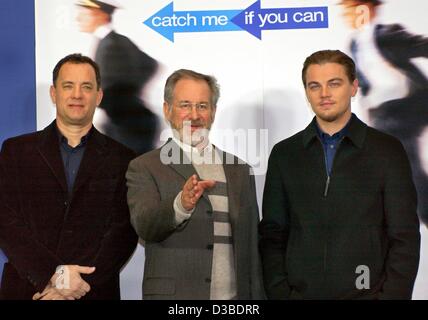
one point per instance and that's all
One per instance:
(325, 91)
(194, 112)
(76, 93)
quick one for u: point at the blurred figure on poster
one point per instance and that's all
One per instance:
(394, 90)
(125, 70)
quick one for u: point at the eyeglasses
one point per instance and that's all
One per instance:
(186, 106)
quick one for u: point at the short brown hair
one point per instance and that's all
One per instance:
(330, 56)
(77, 58)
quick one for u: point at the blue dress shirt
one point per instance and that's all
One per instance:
(330, 144)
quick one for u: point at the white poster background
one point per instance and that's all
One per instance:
(260, 79)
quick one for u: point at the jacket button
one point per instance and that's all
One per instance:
(210, 212)
(65, 203)
(207, 280)
(209, 246)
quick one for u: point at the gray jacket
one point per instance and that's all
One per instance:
(179, 259)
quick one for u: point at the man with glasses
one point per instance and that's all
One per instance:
(194, 205)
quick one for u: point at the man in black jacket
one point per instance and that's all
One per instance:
(64, 221)
(394, 90)
(125, 71)
(339, 204)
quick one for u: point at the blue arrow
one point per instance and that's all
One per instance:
(254, 19)
(167, 22)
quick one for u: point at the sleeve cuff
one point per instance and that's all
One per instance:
(181, 214)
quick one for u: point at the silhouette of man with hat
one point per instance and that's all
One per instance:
(125, 70)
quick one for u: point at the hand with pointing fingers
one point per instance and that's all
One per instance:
(193, 190)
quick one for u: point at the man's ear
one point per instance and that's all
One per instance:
(355, 85)
(100, 95)
(213, 114)
(166, 110)
(52, 93)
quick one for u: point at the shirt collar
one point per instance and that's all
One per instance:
(336, 136)
(102, 31)
(356, 132)
(83, 141)
(193, 150)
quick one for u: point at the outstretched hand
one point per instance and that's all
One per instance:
(193, 190)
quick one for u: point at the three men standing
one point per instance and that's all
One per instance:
(338, 200)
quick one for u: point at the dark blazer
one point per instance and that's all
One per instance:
(179, 259)
(41, 226)
(314, 235)
(125, 70)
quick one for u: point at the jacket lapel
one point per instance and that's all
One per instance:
(93, 159)
(172, 155)
(49, 150)
(233, 179)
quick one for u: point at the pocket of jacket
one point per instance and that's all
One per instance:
(162, 286)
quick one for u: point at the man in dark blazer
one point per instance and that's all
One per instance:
(195, 206)
(339, 204)
(125, 71)
(394, 89)
(64, 220)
